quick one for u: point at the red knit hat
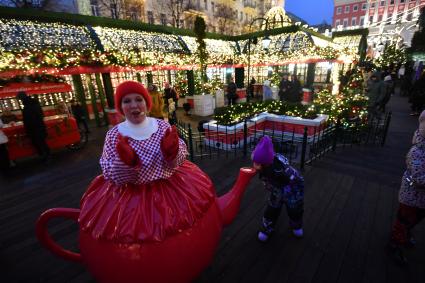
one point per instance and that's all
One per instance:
(128, 87)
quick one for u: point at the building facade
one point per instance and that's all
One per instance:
(387, 20)
(221, 16)
(67, 6)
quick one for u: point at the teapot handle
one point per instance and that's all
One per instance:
(45, 238)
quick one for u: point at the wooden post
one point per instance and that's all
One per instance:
(101, 97)
(93, 98)
(109, 90)
(79, 92)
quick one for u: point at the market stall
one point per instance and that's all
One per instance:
(62, 130)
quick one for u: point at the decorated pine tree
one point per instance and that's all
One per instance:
(348, 105)
(392, 56)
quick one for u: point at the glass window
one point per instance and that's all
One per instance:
(347, 9)
(339, 10)
(382, 3)
(212, 6)
(364, 6)
(355, 8)
(401, 1)
(370, 19)
(389, 16)
(372, 5)
(409, 17)
(337, 23)
(345, 23)
(94, 8)
(392, 2)
(206, 4)
(163, 18)
(361, 21)
(133, 13)
(353, 21)
(114, 12)
(35, 3)
(151, 19)
(380, 18)
(321, 72)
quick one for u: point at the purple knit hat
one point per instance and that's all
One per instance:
(263, 152)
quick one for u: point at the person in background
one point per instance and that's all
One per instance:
(35, 128)
(169, 92)
(267, 91)
(4, 154)
(388, 86)
(7, 116)
(284, 88)
(251, 87)
(79, 115)
(231, 92)
(157, 110)
(286, 186)
(411, 210)
(418, 95)
(295, 91)
(375, 92)
(172, 117)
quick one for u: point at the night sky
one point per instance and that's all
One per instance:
(312, 11)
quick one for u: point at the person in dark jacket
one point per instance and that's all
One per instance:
(169, 92)
(388, 86)
(418, 95)
(375, 92)
(285, 88)
(79, 115)
(286, 186)
(35, 128)
(231, 92)
(251, 87)
(295, 91)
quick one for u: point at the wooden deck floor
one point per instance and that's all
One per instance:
(350, 203)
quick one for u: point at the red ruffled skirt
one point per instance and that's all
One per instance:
(146, 212)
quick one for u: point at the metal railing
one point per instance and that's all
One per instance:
(300, 145)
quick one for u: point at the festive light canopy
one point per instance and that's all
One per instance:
(119, 39)
(32, 45)
(19, 35)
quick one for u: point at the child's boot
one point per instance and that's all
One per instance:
(299, 233)
(265, 231)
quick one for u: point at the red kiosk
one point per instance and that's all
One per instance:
(62, 130)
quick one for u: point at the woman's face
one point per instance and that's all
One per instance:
(134, 108)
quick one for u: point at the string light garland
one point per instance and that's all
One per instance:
(31, 45)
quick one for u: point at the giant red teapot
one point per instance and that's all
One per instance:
(174, 245)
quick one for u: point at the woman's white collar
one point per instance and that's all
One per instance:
(139, 132)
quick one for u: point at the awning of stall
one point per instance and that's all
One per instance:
(12, 89)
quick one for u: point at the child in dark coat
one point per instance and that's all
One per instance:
(286, 186)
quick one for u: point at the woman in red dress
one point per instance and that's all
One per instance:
(148, 190)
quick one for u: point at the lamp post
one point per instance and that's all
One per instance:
(266, 43)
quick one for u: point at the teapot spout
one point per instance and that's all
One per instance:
(229, 203)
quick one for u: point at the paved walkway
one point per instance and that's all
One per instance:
(351, 200)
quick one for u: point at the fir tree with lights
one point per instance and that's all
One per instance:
(347, 106)
(392, 56)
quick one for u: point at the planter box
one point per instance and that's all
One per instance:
(229, 137)
(181, 101)
(219, 98)
(203, 105)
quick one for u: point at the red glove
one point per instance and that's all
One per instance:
(170, 144)
(126, 152)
